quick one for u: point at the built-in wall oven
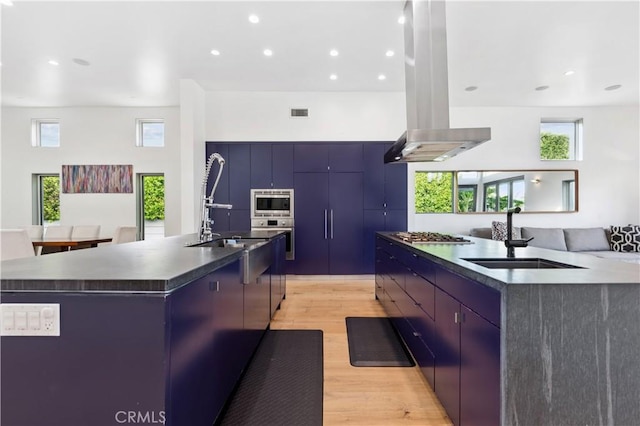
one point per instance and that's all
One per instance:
(272, 209)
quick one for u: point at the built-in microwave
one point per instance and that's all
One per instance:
(276, 203)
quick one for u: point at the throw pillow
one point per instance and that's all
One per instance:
(586, 239)
(499, 231)
(625, 238)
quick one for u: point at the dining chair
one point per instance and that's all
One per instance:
(85, 231)
(15, 244)
(62, 232)
(124, 234)
(35, 232)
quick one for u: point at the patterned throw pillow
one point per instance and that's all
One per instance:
(625, 238)
(499, 231)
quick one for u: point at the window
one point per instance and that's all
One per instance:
(46, 199)
(45, 133)
(467, 198)
(503, 194)
(150, 132)
(569, 195)
(150, 205)
(560, 139)
(434, 192)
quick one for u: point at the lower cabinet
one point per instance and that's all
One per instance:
(457, 349)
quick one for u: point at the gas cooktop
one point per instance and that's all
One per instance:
(430, 238)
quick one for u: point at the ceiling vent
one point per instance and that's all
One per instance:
(300, 112)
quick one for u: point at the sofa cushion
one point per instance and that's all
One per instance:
(625, 238)
(586, 239)
(481, 233)
(550, 238)
(499, 231)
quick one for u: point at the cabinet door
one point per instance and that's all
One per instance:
(395, 220)
(346, 157)
(374, 176)
(345, 223)
(310, 157)
(239, 220)
(312, 227)
(479, 370)
(373, 222)
(395, 186)
(221, 220)
(261, 165)
(282, 165)
(239, 164)
(447, 353)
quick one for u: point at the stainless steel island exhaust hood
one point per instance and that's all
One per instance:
(428, 136)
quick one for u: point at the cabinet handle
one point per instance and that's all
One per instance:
(332, 224)
(416, 334)
(325, 224)
(214, 286)
(456, 318)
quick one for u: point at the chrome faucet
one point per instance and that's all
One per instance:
(205, 233)
(510, 242)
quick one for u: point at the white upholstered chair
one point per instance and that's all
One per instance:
(85, 231)
(58, 231)
(14, 244)
(35, 232)
(124, 234)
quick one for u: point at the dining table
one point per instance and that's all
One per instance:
(65, 244)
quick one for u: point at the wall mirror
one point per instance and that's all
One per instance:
(485, 191)
(490, 191)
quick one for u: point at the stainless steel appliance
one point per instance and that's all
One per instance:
(430, 238)
(272, 209)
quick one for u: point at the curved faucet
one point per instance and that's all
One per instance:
(204, 232)
(510, 242)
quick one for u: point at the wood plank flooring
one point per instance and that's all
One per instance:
(356, 395)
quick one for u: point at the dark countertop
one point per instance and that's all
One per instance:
(143, 266)
(595, 270)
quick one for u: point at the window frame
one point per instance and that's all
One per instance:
(140, 122)
(36, 131)
(575, 144)
(38, 196)
(497, 184)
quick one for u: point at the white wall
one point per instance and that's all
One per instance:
(88, 136)
(609, 179)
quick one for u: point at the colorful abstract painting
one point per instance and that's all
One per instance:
(97, 179)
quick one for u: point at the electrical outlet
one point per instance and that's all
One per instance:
(29, 319)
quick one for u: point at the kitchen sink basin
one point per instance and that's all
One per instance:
(520, 263)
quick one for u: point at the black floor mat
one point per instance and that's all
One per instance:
(283, 384)
(373, 342)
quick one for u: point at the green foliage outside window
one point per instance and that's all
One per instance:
(154, 197)
(466, 200)
(50, 198)
(434, 192)
(554, 146)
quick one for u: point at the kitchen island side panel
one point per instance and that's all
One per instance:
(107, 363)
(571, 355)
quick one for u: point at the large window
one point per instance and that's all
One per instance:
(504, 194)
(46, 199)
(150, 132)
(45, 133)
(560, 139)
(434, 192)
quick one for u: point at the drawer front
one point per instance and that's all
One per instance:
(422, 291)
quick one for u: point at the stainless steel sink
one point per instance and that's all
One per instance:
(230, 242)
(520, 263)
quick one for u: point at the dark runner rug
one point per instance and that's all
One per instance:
(373, 342)
(283, 383)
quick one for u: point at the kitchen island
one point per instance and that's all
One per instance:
(517, 346)
(151, 332)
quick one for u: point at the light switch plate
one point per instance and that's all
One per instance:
(29, 319)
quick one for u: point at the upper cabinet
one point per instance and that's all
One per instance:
(336, 157)
(385, 184)
(271, 165)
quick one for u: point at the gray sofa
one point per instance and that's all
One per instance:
(593, 241)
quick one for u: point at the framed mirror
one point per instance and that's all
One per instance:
(487, 191)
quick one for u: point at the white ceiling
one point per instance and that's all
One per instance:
(138, 51)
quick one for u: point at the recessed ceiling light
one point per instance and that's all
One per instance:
(401, 20)
(267, 52)
(614, 87)
(54, 63)
(541, 88)
(333, 77)
(389, 53)
(254, 19)
(570, 72)
(382, 77)
(333, 52)
(471, 88)
(215, 52)
(80, 61)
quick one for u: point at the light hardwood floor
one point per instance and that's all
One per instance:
(356, 395)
